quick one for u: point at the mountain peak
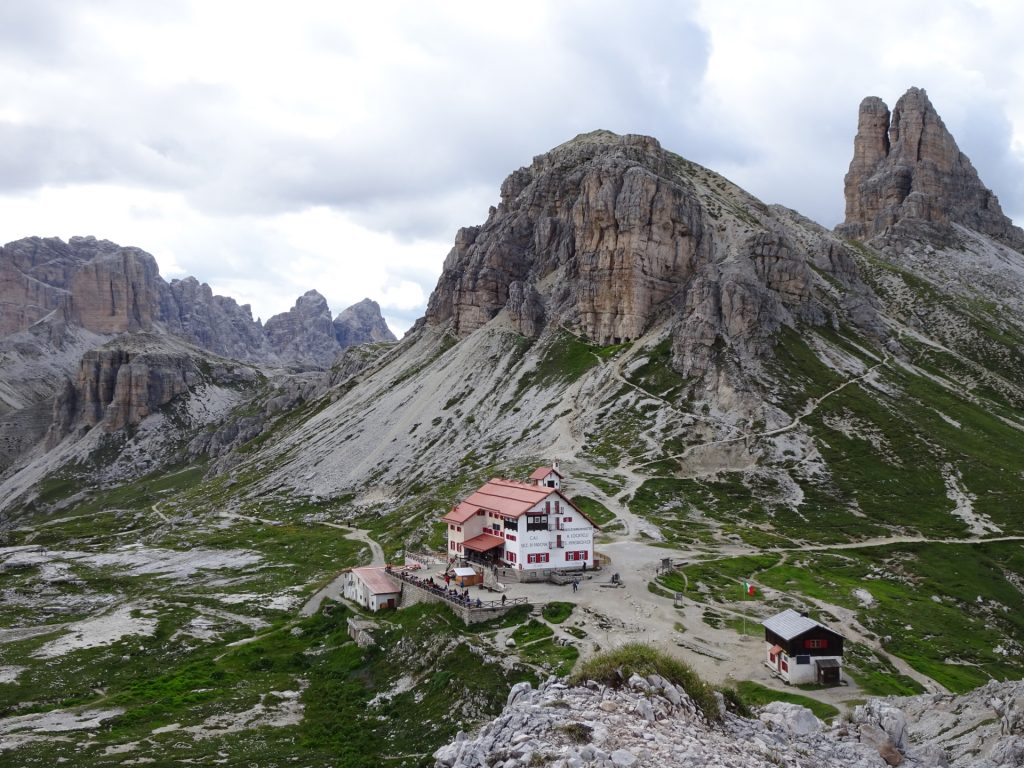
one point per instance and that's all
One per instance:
(361, 323)
(907, 170)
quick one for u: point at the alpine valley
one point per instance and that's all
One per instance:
(733, 392)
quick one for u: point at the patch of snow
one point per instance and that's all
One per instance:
(948, 420)
(102, 630)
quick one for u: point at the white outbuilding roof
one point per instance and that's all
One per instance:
(790, 624)
(460, 572)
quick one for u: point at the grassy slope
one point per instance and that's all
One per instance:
(170, 678)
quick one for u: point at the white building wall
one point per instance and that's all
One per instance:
(577, 535)
(551, 480)
(796, 674)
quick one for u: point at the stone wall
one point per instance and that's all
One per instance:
(411, 594)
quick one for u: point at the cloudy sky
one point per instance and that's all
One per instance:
(268, 148)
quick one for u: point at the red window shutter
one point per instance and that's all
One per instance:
(547, 507)
(557, 507)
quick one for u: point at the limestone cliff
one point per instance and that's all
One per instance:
(908, 170)
(118, 386)
(652, 722)
(606, 235)
(216, 323)
(305, 333)
(361, 323)
(107, 289)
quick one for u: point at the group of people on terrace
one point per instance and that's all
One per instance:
(448, 592)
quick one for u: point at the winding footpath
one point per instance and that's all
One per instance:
(720, 652)
(336, 588)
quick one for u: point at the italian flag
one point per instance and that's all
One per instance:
(748, 588)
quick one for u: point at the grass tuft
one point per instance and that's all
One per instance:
(615, 667)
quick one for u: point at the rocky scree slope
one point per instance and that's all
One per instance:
(606, 234)
(604, 240)
(650, 722)
(91, 334)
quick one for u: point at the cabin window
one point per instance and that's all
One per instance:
(784, 666)
(511, 524)
(510, 556)
(479, 513)
(510, 536)
(815, 643)
(451, 527)
(803, 659)
(537, 523)
(566, 519)
(458, 528)
(551, 483)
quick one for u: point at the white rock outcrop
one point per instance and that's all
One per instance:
(652, 722)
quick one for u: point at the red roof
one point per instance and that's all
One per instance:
(508, 497)
(541, 472)
(374, 577)
(460, 514)
(484, 542)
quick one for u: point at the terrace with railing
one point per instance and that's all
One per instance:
(416, 589)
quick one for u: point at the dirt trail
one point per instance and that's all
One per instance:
(336, 588)
(719, 654)
(809, 408)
